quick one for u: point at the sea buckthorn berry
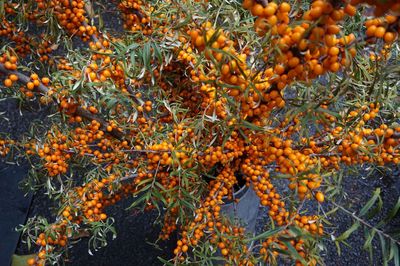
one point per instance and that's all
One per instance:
(319, 196)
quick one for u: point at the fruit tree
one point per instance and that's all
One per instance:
(191, 98)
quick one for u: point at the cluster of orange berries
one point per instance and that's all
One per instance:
(269, 197)
(367, 143)
(89, 141)
(45, 47)
(135, 19)
(232, 77)
(63, 64)
(269, 252)
(57, 238)
(363, 146)
(258, 176)
(71, 16)
(11, 32)
(208, 222)
(54, 153)
(233, 148)
(33, 84)
(305, 185)
(385, 28)
(102, 67)
(9, 64)
(93, 202)
(104, 149)
(5, 146)
(308, 49)
(85, 204)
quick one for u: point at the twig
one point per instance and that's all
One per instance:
(79, 110)
(352, 214)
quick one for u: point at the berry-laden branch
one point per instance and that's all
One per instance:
(46, 91)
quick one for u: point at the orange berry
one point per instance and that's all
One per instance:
(45, 80)
(8, 83)
(319, 196)
(257, 10)
(380, 32)
(13, 59)
(30, 85)
(389, 37)
(284, 7)
(371, 31)
(13, 77)
(269, 10)
(350, 10)
(31, 261)
(8, 65)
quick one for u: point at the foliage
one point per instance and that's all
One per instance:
(190, 99)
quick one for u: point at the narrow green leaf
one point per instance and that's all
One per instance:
(138, 201)
(165, 262)
(337, 115)
(393, 212)
(294, 252)
(396, 253)
(146, 55)
(265, 234)
(348, 232)
(384, 250)
(371, 202)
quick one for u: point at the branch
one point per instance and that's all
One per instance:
(365, 223)
(79, 110)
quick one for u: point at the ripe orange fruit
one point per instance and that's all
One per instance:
(8, 83)
(371, 31)
(284, 7)
(389, 37)
(257, 10)
(350, 10)
(380, 32)
(269, 10)
(13, 77)
(319, 196)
